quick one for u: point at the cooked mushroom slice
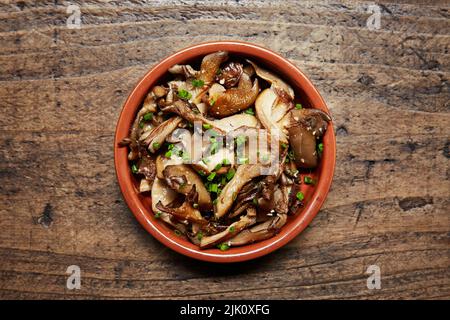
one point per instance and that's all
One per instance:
(163, 162)
(305, 128)
(183, 179)
(182, 108)
(210, 65)
(159, 91)
(315, 120)
(259, 232)
(232, 230)
(186, 210)
(144, 186)
(230, 75)
(244, 174)
(161, 193)
(159, 134)
(235, 99)
(303, 144)
(276, 83)
(264, 110)
(237, 121)
(186, 70)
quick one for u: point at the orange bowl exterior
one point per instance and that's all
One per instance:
(141, 206)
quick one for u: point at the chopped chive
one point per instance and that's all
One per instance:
(134, 168)
(255, 201)
(205, 161)
(232, 229)
(320, 147)
(199, 235)
(211, 176)
(198, 83)
(183, 94)
(168, 154)
(141, 124)
(201, 173)
(284, 146)
(170, 146)
(219, 71)
(214, 188)
(212, 102)
(223, 247)
(218, 166)
(298, 106)
(148, 116)
(156, 145)
(308, 180)
(215, 201)
(300, 196)
(223, 181)
(158, 214)
(230, 174)
(226, 162)
(249, 111)
(207, 126)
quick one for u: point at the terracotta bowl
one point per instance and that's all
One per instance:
(315, 195)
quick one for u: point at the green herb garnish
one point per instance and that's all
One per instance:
(320, 147)
(198, 83)
(134, 168)
(232, 229)
(183, 94)
(308, 180)
(300, 196)
(249, 111)
(168, 154)
(156, 145)
(223, 247)
(211, 176)
(148, 116)
(230, 174)
(298, 106)
(207, 126)
(199, 236)
(158, 214)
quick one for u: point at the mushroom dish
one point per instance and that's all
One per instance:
(219, 147)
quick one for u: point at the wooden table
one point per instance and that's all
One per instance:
(61, 93)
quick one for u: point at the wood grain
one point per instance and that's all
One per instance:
(61, 93)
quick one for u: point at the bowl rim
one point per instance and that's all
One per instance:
(143, 214)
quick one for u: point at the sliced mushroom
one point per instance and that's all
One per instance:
(264, 108)
(230, 75)
(306, 126)
(210, 65)
(237, 121)
(183, 179)
(186, 210)
(244, 174)
(161, 193)
(276, 83)
(315, 120)
(182, 108)
(235, 99)
(159, 134)
(186, 70)
(259, 232)
(232, 230)
(163, 162)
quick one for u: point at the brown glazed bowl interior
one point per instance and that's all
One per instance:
(314, 195)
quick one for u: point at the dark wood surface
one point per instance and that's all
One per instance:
(61, 92)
